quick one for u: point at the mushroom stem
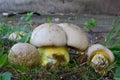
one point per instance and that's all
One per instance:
(100, 53)
(53, 55)
(99, 62)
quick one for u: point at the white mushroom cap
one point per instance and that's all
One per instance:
(96, 47)
(15, 36)
(75, 35)
(23, 54)
(48, 34)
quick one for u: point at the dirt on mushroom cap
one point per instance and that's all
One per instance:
(23, 54)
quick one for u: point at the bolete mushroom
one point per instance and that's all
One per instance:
(23, 54)
(100, 57)
(15, 36)
(51, 42)
(76, 37)
(56, 38)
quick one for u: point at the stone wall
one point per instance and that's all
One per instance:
(62, 6)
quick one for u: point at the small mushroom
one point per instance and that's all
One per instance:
(15, 36)
(23, 54)
(76, 37)
(100, 57)
(51, 42)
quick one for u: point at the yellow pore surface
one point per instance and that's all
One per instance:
(53, 55)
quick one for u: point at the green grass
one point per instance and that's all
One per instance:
(112, 41)
(113, 37)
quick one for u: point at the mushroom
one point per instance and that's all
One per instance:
(100, 57)
(55, 38)
(15, 36)
(51, 42)
(76, 37)
(23, 54)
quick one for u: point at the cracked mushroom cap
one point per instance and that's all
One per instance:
(76, 37)
(48, 34)
(23, 54)
(102, 50)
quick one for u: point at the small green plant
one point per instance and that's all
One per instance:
(3, 60)
(26, 26)
(48, 20)
(3, 57)
(88, 25)
(27, 17)
(5, 29)
(6, 76)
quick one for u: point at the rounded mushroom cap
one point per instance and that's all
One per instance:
(48, 34)
(75, 35)
(15, 36)
(23, 54)
(96, 47)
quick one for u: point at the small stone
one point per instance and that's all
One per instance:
(57, 19)
(5, 14)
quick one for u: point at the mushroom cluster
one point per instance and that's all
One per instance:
(49, 45)
(53, 40)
